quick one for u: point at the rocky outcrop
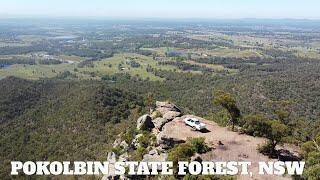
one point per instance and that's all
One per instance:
(111, 157)
(124, 146)
(159, 123)
(164, 107)
(116, 143)
(155, 155)
(154, 123)
(170, 115)
(135, 141)
(145, 123)
(123, 157)
(165, 112)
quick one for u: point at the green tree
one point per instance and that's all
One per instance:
(283, 110)
(255, 125)
(311, 153)
(277, 131)
(199, 145)
(182, 152)
(228, 101)
(273, 130)
(149, 101)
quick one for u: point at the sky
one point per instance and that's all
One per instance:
(212, 9)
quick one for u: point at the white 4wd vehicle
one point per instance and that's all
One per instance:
(194, 123)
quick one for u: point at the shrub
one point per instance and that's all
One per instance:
(181, 152)
(255, 125)
(129, 135)
(311, 152)
(265, 148)
(199, 145)
(147, 140)
(117, 150)
(207, 177)
(138, 154)
(155, 114)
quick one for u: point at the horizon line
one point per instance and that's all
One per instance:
(150, 18)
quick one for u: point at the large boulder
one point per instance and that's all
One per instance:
(159, 123)
(153, 152)
(145, 123)
(164, 107)
(170, 115)
(155, 156)
(111, 157)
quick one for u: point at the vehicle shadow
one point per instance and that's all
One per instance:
(205, 130)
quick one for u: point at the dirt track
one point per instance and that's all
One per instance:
(236, 147)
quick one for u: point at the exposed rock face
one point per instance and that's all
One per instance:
(155, 123)
(153, 152)
(111, 157)
(135, 142)
(124, 145)
(166, 142)
(145, 123)
(155, 156)
(164, 107)
(196, 157)
(123, 157)
(116, 142)
(159, 123)
(170, 115)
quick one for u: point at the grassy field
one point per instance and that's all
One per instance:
(227, 52)
(35, 71)
(107, 66)
(218, 52)
(111, 66)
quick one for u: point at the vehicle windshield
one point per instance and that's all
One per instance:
(197, 122)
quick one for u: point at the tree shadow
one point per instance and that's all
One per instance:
(285, 155)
